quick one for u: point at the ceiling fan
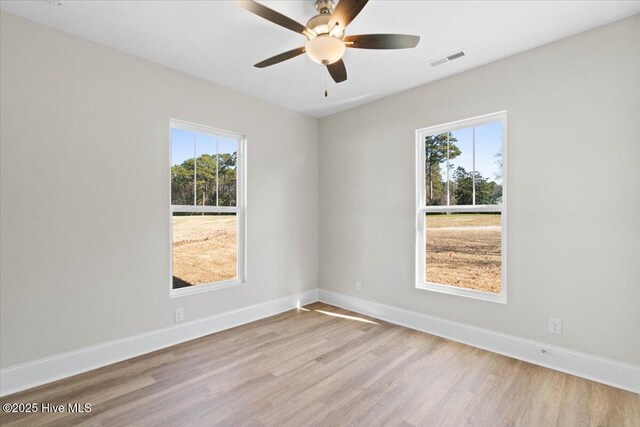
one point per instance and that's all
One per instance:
(325, 33)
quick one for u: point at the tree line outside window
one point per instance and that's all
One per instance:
(448, 182)
(204, 171)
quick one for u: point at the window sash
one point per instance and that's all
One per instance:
(422, 134)
(217, 133)
(460, 209)
(421, 252)
(201, 209)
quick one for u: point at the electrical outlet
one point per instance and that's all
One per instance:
(555, 326)
(178, 315)
(358, 285)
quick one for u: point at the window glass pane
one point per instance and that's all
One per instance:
(182, 167)
(464, 250)
(489, 164)
(436, 170)
(461, 167)
(204, 248)
(227, 179)
(206, 170)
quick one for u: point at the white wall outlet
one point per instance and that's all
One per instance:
(555, 326)
(358, 285)
(178, 315)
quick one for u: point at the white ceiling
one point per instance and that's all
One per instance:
(218, 41)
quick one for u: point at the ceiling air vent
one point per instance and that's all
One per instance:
(455, 55)
(447, 58)
(439, 61)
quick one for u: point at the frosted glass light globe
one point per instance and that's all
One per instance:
(325, 49)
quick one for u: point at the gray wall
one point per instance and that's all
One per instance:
(85, 193)
(574, 192)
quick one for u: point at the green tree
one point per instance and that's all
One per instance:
(182, 183)
(214, 179)
(227, 183)
(498, 157)
(485, 190)
(496, 196)
(436, 149)
(206, 180)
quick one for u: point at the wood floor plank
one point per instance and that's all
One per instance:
(322, 365)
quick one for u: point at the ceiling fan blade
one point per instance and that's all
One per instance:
(381, 41)
(281, 57)
(338, 71)
(273, 16)
(345, 12)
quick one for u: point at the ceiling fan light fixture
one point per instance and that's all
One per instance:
(325, 49)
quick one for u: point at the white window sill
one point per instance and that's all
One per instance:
(467, 293)
(196, 289)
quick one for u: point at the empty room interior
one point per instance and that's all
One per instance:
(319, 213)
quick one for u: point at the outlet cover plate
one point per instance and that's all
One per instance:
(178, 315)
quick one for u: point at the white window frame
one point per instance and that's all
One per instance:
(422, 208)
(239, 209)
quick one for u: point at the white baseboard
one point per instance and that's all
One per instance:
(616, 374)
(27, 375)
(32, 374)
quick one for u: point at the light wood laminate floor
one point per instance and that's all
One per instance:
(325, 366)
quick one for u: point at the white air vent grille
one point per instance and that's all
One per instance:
(447, 58)
(455, 55)
(439, 61)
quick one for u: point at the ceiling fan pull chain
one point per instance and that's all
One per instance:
(324, 81)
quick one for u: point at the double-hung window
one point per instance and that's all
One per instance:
(461, 207)
(207, 209)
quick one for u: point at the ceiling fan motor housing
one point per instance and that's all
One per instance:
(320, 25)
